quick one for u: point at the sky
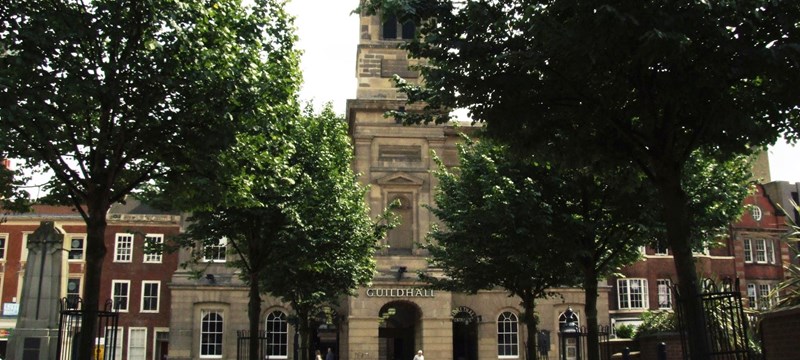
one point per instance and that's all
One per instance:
(328, 35)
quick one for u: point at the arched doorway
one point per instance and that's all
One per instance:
(326, 332)
(400, 330)
(465, 334)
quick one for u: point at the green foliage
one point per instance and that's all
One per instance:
(641, 82)
(625, 331)
(497, 223)
(110, 95)
(657, 322)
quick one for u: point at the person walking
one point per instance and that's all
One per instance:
(419, 356)
(318, 355)
(329, 355)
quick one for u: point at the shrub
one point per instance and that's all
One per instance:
(657, 322)
(624, 331)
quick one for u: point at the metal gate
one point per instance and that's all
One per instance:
(243, 338)
(726, 323)
(71, 310)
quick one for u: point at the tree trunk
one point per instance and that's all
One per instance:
(676, 217)
(590, 310)
(304, 328)
(529, 318)
(95, 253)
(253, 314)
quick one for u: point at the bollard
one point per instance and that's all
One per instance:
(626, 353)
(662, 351)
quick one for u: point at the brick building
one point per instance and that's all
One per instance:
(135, 281)
(752, 252)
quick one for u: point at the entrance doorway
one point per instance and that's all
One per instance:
(400, 331)
(465, 334)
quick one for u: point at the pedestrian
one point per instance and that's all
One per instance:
(329, 355)
(318, 355)
(419, 356)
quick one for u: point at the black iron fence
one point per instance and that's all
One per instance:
(574, 345)
(726, 323)
(69, 328)
(243, 338)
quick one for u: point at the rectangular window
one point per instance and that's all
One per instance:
(150, 295)
(116, 338)
(76, 243)
(632, 294)
(137, 343)
(748, 251)
(3, 238)
(123, 248)
(215, 252)
(664, 294)
(661, 249)
(153, 248)
(211, 331)
(752, 296)
(761, 251)
(73, 292)
(120, 293)
(763, 296)
(770, 251)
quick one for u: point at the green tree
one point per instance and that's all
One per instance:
(328, 249)
(647, 82)
(287, 201)
(112, 94)
(498, 229)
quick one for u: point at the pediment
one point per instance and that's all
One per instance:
(399, 179)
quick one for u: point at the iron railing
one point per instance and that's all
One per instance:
(69, 329)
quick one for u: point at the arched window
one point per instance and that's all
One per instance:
(401, 238)
(389, 28)
(277, 335)
(211, 335)
(507, 336)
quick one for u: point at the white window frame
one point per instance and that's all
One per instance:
(23, 253)
(142, 330)
(764, 300)
(222, 245)
(627, 297)
(761, 251)
(657, 252)
(123, 248)
(221, 333)
(752, 296)
(3, 250)
(144, 296)
(664, 293)
(117, 344)
(278, 333)
(508, 329)
(748, 251)
(67, 293)
(153, 257)
(127, 295)
(770, 251)
(69, 240)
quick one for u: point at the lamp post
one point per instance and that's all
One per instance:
(570, 335)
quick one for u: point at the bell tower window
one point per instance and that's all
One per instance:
(391, 25)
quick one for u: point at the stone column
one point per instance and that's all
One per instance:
(36, 334)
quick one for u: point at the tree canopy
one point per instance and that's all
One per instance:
(499, 228)
(648, 82)
(112, 94)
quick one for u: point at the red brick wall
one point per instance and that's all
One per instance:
(780, 330)
(648, 346)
